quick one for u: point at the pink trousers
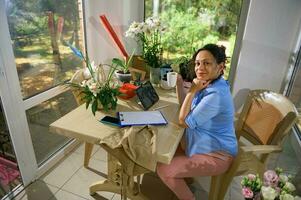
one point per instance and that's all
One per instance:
(183, 166)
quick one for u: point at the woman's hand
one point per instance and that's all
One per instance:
(198, 85)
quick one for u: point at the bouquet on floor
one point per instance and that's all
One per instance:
(276, 185)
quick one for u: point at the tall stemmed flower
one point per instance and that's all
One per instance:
(95, 88)
(149, 34)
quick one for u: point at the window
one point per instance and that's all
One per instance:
(294, 89)
(192, 24)
(40, 32)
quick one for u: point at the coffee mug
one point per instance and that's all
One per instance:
(171, 79)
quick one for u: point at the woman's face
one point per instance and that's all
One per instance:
(206, 67)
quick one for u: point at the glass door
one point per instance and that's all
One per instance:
(10, 175)
(40, 32)
(35, 61)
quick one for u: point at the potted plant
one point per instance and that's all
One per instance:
(122, 69)
(93, 87)
(149, 34)
(186, 68)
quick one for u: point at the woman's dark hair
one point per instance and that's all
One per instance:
(218, 52)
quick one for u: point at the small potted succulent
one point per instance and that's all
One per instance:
(122, 72)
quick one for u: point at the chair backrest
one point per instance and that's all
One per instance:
(266, 117)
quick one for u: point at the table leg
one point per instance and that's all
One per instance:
(88, 152)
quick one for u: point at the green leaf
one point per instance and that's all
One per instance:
(118, 62)
(94, 106)
(87, 104)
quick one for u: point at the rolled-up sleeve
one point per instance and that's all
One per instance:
(206, 109)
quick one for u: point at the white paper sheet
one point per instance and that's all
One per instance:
(137, 118)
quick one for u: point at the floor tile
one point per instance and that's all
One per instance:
(38, 190)
(235, 189)
(63, 195)
(117, 197)
(84, 177)
(100, 154)
(103, 196)
(154, 188)
(204, 182)
(62, 172)
(81, 149)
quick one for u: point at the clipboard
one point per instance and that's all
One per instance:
(139, 118)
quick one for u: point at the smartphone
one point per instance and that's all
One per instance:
(113, 121)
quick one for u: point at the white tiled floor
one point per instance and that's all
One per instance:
(69, 180)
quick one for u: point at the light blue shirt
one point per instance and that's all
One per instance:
(211, 121)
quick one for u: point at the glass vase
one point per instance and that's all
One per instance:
(155, 74)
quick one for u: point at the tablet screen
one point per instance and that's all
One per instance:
(147, 95)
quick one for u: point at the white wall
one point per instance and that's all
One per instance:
(120, 14)
(270, 35)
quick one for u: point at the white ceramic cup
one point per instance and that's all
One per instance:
(171, 79)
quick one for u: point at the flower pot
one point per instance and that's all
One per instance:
(155, 74)
(127, 91)
(123, 77)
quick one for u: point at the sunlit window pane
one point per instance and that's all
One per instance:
(192, 24)
(40, 31)
(295, 94)
(40, 117)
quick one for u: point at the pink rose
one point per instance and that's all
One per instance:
(251, 177)
(247, 192)
(270, 178)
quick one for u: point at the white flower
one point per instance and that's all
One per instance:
(153, 22)
(297, 198)
(283, 178)
(268, 193)
(146, 28)
(289, 187)
(86, 73)
(134, 29)
(286, 197)
(83, 83)
(94, 88)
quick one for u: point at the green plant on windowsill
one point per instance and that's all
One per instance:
(123, 65)
(122, 68)
(148, 33)
(93, 87)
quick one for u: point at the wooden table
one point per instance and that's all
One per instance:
(81, 124)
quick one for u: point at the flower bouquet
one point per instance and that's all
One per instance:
(251, 186)
(94, 87)
(149, 34)
(275, 186)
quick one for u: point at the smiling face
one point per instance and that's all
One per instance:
(206, 67)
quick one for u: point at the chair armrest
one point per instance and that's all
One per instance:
(236, 116)
(261, 149)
